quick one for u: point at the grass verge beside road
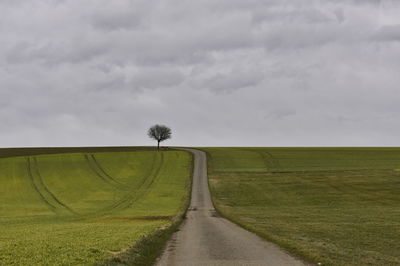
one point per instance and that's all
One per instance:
(333, 206)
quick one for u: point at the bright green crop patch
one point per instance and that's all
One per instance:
(81, 208)
(334, 206)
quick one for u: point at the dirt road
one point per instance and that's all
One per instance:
(207, 239)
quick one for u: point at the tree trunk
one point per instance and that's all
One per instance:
(158, 144)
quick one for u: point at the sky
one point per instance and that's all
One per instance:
(218, 73)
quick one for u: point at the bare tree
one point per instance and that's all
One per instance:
(159, 133)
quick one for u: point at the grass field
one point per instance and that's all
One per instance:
(336, 206)
(87, 206)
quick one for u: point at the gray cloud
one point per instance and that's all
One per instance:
(230, 72)
(388, 33)
(233, 80)
(157, 78)
(120, 20)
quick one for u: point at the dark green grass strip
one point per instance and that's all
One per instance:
(13, 152)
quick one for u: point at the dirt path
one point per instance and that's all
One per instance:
(207, 239)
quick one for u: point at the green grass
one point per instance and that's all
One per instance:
(89, 206)
(336, 206)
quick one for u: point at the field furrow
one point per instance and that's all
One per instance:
(272, 164)
(40, 187)
(99, 171)
(136, 194)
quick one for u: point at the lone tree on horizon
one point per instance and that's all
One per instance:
(159, 133)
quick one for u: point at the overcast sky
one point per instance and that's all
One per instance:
(219, 73)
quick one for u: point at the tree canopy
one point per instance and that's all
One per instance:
(159, 133)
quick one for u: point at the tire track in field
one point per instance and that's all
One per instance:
(271, 162)
(35, 186)
(274, 161)
(130, 198)
(45, 194)
(99, 171)
(138, 193)
(146, 185)
(336, 188)
(356, 190)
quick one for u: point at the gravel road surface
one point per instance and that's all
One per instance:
(208, 239)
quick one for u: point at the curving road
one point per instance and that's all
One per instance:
(207, 239)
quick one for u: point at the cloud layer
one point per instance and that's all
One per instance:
(220, 73)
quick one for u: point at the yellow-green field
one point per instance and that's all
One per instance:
(86, 207)
(336, 206)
